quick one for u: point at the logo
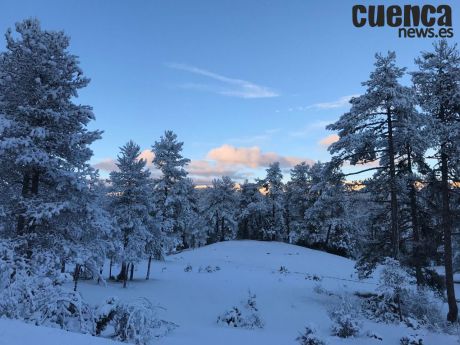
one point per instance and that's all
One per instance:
(425, 21)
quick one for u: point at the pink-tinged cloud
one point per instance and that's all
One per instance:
(251, 157)
(109, 164)
(148, 156)
(330, 139)
(238, 163)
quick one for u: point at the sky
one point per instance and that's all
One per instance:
(242, 83)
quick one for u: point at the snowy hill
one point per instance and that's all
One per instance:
(302, 293)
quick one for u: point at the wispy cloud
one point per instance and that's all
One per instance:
(338, 103)
(311, 128)
(257, 139)
(232, 87)
(341, 102)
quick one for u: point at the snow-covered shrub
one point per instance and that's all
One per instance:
(188, 268)
(209, 269)
(32, 290)
(313, 277)
(423, 306)
(283, 270)
(345, 319)
(245, 316)
(411, 340)
(373, 335)
(400, 300)
(309, 337)
(394, 283)
(135, 322)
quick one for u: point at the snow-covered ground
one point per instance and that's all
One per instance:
(287, 301)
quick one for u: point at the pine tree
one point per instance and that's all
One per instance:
(253, 212)
(327, 218)
(168, 189)
(131, 206)
(367, 131)
(220, 209)
(297, 201)
(190, 220)
(44, 143)
(274, 197)
(412, 139)
(437, 83)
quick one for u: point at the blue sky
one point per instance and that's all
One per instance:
(242, 83)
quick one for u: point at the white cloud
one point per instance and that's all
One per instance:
(311, 128)
(232, 87)
(342, 102)
(338, 103)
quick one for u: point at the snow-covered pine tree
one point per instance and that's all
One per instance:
(168, 191)
(412, 140)
(190, 220)
(366, 132)
(437, 84)
(131, 206)
(44, 142)
(297, 201)
(274, 197)
(327, 219)
(252, 212)
(220, 207)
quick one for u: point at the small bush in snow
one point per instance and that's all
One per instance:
(188, 268)
(209, 269)
(411, 340)
(135, 322)
(309, 337)
(373, 335)
(245, 316)
(283, 270)
(345, 320)
(313, 277)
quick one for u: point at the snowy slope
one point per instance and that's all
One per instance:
(286, 301)
(13, 332)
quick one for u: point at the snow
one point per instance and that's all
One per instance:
(14, 332)
(287, 302)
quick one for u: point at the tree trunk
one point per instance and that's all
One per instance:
(131, 273)
(35, 181)
(447, 227)
(393, 198)
(24, 193)
(222, 231)
(328, 234)
(148, 268)
(62, 266)
(110, 269)
(125, 274)
(76, 275)
(414, 219)
(100, 274)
